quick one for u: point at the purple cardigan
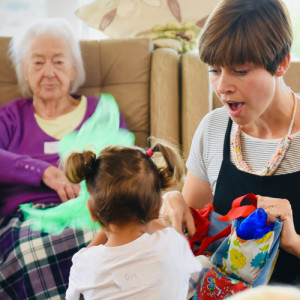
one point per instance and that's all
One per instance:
(22, 156)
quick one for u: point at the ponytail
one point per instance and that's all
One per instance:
(79, 166)
(167, 161)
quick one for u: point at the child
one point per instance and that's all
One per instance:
(141, 258)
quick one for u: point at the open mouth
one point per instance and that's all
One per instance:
(235, 106)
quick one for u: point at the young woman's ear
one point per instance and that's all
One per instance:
(282, 68)
(88, 203)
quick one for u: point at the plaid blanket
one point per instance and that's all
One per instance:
(33, 264)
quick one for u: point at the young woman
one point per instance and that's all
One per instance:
(251, 143)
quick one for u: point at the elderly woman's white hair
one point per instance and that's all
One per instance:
(60, 28)
(269, 292)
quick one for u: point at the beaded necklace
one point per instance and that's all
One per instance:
(274, 161)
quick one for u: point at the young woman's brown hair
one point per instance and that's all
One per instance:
(125, 183)
(248, 31)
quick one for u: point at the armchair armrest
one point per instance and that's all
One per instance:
(196, 96)
(164, 95)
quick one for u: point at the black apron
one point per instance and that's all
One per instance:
(233, 183)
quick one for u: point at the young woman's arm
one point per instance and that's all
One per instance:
(196, 193)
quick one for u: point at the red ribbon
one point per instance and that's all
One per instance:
(201, 218)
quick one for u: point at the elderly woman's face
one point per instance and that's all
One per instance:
(48, 68)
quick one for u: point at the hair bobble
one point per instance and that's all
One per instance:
(92, 167)
(149, 152)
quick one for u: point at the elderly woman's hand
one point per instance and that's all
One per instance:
(56, 180)
(176, 213)
(281, 208)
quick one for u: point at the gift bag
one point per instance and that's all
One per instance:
(245, 258)
(210, 231)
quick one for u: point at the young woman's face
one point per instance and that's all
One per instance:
(48, 68)
(246, 91)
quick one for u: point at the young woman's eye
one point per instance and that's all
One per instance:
(213, 71)
(241, 72)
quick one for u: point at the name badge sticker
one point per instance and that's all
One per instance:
(51, 147)
(137, 275)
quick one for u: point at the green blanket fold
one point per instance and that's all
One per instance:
(100, 130)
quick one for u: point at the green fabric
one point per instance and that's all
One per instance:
(100, 130)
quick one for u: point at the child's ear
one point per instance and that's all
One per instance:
(88, 203)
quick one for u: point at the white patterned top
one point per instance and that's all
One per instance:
(206, 152)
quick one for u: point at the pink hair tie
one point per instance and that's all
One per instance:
(149, 152)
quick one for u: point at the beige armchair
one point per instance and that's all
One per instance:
(144, 82)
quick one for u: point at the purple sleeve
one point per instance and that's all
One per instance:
(122, 122)
(16, 168)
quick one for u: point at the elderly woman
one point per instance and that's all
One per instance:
(49, 69)
(251, 144)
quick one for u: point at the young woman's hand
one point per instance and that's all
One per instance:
(176, 213)
(55, 179)
(281, 208)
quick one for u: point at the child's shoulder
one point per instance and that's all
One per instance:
(87, 252)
